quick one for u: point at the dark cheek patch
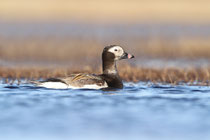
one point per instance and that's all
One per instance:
(109, 56)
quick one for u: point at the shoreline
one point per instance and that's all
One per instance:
(174, 76)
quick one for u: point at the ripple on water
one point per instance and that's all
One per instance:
(139, 110)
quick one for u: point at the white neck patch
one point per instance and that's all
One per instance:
(112, 71)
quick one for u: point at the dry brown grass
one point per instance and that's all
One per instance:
(48, 49)
(199, 76)
(79, 49)
(192, 76)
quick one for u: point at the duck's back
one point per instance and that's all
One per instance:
(89, 81)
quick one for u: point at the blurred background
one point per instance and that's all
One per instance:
(54, 38)
(72, 33)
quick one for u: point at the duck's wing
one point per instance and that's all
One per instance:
(74, 81)
(90, 81)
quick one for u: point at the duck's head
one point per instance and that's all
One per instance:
(115, 52)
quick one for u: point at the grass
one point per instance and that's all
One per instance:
(79, 49)
(191, 76)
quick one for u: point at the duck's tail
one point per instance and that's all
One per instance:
(35, 82)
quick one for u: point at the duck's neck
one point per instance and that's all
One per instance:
(109, 67)
(110, 74)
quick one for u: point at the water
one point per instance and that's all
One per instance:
(139, 111)
(102, 32)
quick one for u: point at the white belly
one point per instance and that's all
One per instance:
(54, 85)
(60, 85)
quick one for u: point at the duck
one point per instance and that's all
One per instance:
(108, 79)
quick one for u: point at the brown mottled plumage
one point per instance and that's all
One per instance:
(79, 80)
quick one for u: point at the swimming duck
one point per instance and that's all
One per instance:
(109, 79)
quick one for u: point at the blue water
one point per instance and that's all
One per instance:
(102, 32)
(139, 111)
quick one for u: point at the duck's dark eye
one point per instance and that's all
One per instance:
(115, 50)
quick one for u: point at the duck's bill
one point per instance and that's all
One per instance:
(130, 56)
(127, 56)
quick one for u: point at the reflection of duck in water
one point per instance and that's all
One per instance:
(109, 79)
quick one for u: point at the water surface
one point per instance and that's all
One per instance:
(102, 31)
(139, 111)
